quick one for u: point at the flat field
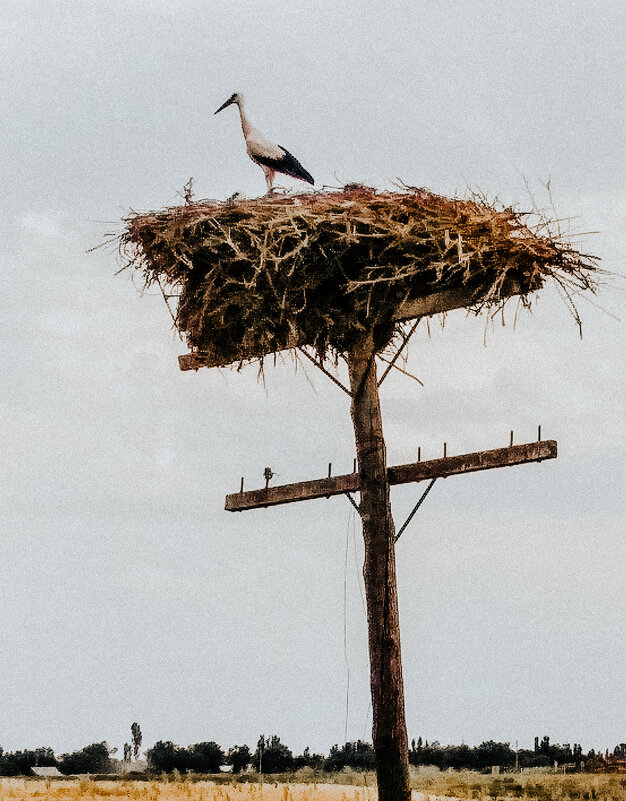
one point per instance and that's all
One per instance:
(358, 787)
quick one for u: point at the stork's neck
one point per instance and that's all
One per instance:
(246, 127)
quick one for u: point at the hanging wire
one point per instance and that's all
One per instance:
(345, 622)
(361, 584)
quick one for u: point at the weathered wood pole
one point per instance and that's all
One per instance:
(389, 733)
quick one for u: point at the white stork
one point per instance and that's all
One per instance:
(271, 158)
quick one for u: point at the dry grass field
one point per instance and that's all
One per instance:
(429, 787)
(526, 786)
(82, 790)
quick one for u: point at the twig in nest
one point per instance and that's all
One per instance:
(187, 192)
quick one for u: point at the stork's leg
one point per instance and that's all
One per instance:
(269, 180)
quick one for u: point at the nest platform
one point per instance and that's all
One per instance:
(258, 276)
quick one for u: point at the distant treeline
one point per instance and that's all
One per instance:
(273, 756)
(94, 758)
(492, 753)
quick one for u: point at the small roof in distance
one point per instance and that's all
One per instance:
(46, 771)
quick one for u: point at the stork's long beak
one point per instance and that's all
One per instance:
(223, 106)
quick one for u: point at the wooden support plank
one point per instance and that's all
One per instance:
(399, 474)
(426, 306)
(194, 361)
(450, 299)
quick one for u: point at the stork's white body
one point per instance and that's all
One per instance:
(270, 157)
(258, 146)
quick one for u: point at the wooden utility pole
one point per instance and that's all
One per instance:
(389, 732)
(373, 480)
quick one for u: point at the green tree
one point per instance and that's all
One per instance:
(163, 756)
(308, 760)
(273, 756)
(358, 755)
(239, 756)
(19, 763)
(137, 739)
(493, 753)
(205, 757)
(94, 758)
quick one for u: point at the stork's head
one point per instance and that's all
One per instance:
(236, 98)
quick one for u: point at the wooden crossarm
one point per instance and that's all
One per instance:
(399, 474)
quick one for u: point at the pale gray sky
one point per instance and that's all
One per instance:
(126, 592)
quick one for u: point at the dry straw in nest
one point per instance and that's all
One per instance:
(257, 276)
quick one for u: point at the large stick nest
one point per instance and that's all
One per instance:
(257, 276)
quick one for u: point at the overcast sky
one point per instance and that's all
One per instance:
(127, 593)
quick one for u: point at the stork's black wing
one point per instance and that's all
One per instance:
(288, 165)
